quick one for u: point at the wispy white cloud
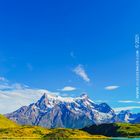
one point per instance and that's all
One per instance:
(13, 96)
(118, 109)
(4, 86)
(111, 87)
(129, 101)
(68, 88)
(80, 71)
(126, 101)
(9, 86)
(3, 79)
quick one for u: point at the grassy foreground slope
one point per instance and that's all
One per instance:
(115, 130)
(4, 122)
(39, 132)
(9, 129)
(71, 133)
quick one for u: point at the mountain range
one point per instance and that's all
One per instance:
(52, 111)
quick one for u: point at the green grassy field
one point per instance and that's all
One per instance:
(9, 129)
(128, 129)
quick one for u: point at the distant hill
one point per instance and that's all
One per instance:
(115, 130)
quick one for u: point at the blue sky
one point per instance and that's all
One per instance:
(70, 47)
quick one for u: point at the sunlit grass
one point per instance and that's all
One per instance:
(9, 129)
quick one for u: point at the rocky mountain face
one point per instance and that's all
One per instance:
(125, 116)
(53, 111)
(128, 117)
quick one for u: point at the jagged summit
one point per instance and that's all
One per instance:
(56, 98)
(84, 95)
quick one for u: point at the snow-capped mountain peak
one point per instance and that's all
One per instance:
(55, 99)
(55, 111)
